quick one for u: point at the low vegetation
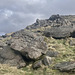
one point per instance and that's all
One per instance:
(7, 70)
(62, 46)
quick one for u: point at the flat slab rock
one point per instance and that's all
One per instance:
(65, 66)
(28, 44)
(59, 32)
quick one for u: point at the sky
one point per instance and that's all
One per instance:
(17, 14)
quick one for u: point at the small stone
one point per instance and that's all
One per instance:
(47, 60)
(51, 53)
(37, 64)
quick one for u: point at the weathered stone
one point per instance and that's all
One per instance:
(28, 44)
(38, 24)
(53, 21)
(47, 60)
(54, 17)
(66, 66)
(44, 61)
(59, 32)
(51, 53)
(37, 64)
(59, 27)
(72, 42)
(11, 57)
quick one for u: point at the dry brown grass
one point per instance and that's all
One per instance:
(62, 46)
(7, 70)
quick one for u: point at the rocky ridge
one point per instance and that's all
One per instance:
(56, 26)
(40, 44)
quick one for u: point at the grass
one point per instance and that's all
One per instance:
(7, 70)
(45, 71)
(62, 46)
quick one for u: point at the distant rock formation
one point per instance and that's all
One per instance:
(56, 26)
(53, 21)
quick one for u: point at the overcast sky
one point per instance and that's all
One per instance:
(17, 14)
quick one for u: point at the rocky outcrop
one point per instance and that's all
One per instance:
(59, 27)
(38, 24)
(59, 32)
(53, 21)
(71, 18)
(66, 66)
(11, 57)
(21, 47)
(28, 44)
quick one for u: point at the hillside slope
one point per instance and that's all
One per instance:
(46, 47)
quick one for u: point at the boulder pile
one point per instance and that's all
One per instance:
(22, 47)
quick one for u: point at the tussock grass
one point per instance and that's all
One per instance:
(62, 46)
(7, 70)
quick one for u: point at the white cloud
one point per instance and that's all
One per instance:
(7, 13)
(35, 1)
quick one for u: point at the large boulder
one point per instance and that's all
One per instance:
(53, 21)
(65, 66)
(60, 27)
(11, 57)
(54, 17)
(28, 44)
(59, 32)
